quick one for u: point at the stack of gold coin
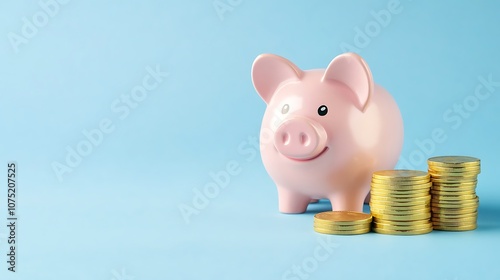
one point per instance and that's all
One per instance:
(342, 222)
(454, 200)
(400, 202)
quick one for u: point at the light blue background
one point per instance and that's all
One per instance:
(117, 213)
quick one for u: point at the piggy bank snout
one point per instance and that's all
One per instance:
(300, 139)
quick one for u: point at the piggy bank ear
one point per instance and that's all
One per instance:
(269, 71)
(351, 70)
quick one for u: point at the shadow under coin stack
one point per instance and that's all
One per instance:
(342, 222)
(454, 200)
(400, 202)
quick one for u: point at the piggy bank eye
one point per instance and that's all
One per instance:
(285, 109)
(322, 110)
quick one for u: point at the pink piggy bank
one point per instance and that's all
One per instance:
(325, 132)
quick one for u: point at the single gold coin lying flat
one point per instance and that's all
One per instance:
(461, 210)
(408, 205)
(454, 189)
(376, 207)
(402, 227)
(453, 224)
(455, 169)
(341, 232)
(446, 215)
(402, 175)
(411, 217)
(454, 179)
(452, 220)
(400, 193)
(454, 184)
(402, 223)
(454, 197)
(381, 197)
(447, 177)
(340, 227)
(460, 228)
(343, 217)
(445, 203)
(452, 193)
(403, 232)
(455, 206)
(399, 182)
(422, 210)
(400, 187)
(465, 228)
(434, 173)
(447, 161)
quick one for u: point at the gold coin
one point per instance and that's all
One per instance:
(343, 217)
(399, 187)
(402, 227)
(399, 182)
(341, 232)
(401, 223)
(438, 200)
(401, 174)
(461, 210)
(422, 193)
(402, 196)
(451, 221)
(411, 217)
(323, 227)
(460, 173)
(401, 212)
(454, 179)
(456, 169)
(457, 203)
(448, 161)
(455, 206)
(454, 197)
(452, 193)
(446, 215)
(454, 184)
(397, 209)
(454, 224)
(403, 232)
(340, 227)
(397, 191)
(452, 228)
(396, 200)
(455, 176)
(399, 201)
(374, 206)
(390, 204)
(454, 189)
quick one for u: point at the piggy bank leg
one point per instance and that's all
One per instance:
(349, 201)
(367, 199)
(292, 202)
